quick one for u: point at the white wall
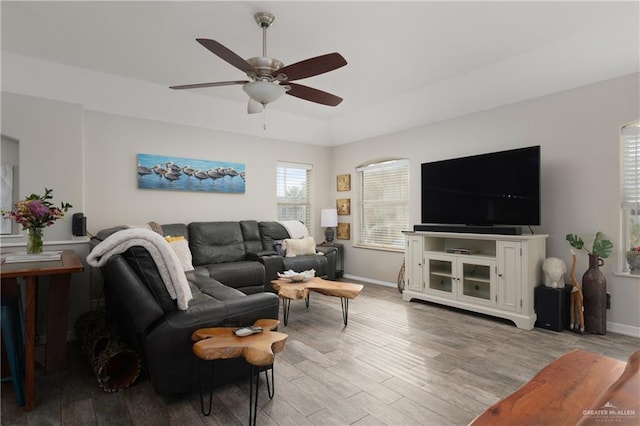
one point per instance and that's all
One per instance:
(113, 198)
(579, 132)
(50, 144)
(88, 157)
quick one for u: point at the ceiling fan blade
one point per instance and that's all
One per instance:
(254, 107)
(199, 85)
(313, 95)
(312, 66)
(226, 54)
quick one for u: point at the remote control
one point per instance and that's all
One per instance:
(247, 331)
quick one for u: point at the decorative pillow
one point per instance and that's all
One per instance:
(299, 247)
(277, 246)
(181, 247)
(155, 227)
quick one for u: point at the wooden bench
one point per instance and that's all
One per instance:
(578, 388)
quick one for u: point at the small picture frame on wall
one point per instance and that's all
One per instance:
(344, 206)
(343, 182)
(344, 231)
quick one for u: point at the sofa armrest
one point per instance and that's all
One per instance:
(258, 255)
(326, 249)
(331, 253)
(272, 265)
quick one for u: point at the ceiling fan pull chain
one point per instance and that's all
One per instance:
(264, 121)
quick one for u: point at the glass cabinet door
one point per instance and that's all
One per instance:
(477, 280)
(440, 272)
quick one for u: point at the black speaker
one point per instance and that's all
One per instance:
(551, 305)
(79, 225)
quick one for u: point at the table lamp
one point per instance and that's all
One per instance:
(329, 219)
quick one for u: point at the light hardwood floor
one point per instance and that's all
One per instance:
(396, 363)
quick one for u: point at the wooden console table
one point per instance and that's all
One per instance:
(59, 273)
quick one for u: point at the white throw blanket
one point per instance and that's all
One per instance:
(161, 252)
(295, 228)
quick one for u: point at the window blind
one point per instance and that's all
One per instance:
(294, 192)
(384, 207)
(631, 167)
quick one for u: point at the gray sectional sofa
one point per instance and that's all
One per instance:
(234, 263)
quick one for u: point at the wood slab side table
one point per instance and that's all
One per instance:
(289, 291)
(257, 349)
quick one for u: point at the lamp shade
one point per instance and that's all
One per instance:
(264, 91)
(328, 217)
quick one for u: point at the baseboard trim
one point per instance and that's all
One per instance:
(369, 280)
(625, 329)
(613, 327)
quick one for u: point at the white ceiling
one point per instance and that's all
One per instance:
(393, 49)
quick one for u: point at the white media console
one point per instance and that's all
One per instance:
(498, 277)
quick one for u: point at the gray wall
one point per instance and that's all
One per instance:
(112, 143)
(579, 132)
(88, 157)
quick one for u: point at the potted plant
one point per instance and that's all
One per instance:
(633, 259)
(633, 254)
(601, 248)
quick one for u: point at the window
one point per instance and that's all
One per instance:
(384, 204)
(294, 192)
(631, 186)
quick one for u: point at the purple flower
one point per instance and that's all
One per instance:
(37, 208)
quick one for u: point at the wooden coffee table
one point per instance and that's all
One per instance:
(257, 349)
(289, 291)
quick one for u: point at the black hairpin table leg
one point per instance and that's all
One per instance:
(210, 388)
(271, 384)
(253, 397)
(286, 304)
(345, 309)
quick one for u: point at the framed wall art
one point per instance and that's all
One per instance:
(344, 206)
(343, 183)
(189, 174)
(344, 231)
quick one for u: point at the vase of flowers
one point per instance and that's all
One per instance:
(633, 259)
(35, 213)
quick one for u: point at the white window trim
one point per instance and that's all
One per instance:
(629, 190)
(309, 188)
(357, 209)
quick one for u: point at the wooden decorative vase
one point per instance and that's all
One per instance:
(594, 290)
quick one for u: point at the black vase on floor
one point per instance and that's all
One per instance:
(594, 291)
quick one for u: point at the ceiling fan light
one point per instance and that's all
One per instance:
(254, 107)
(263, 91)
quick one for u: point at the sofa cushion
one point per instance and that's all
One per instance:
(175, 230)
(145, 267)
(251, 236)
(304, 263)
(271, 232)
(299, 247)
(205, 287)
(216, 242)
(246, 276)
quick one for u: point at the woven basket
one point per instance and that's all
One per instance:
(115, 364)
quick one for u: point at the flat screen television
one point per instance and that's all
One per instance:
(498, 188)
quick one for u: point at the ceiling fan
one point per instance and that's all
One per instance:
(269, 78)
